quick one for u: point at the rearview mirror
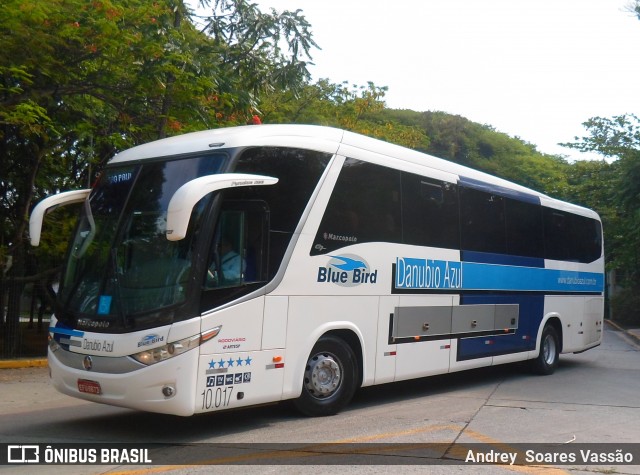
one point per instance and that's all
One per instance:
(185, 198)
(49, 204)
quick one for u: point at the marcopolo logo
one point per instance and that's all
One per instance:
(347, 271)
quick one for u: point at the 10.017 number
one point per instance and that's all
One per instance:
(221, 398)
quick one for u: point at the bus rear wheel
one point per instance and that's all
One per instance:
(547, 360)
(329, 378)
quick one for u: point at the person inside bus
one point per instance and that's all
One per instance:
(231, 263)
(232, 266)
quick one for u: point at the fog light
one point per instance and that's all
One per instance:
(168, 391)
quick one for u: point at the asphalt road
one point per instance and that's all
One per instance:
(593, 397)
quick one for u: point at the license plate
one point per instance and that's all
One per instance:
(88, 386)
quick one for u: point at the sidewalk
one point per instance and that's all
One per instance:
(632, 332)
(42, 362)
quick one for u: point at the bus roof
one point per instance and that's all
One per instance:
(330, 140)
(314, 137)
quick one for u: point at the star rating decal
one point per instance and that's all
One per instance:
(230, 363)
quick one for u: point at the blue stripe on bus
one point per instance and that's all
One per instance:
(436, 275)
(493, 277)
(66, 331)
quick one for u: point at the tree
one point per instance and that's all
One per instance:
(359, 109)
(634, 7)
(618, 139)
(82, 80)
(481, 147)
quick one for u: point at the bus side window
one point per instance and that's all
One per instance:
(298, 172)
(571, 237)
(364, 207)
(525, 236)
(482, 219)
(430, 212)
(226, 263)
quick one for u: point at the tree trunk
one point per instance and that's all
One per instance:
(167, 100)
(15, 277)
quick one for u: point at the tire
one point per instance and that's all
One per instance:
(547, 361)
(329, 378)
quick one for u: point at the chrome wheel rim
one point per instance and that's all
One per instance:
(549, 350)
(323, 375)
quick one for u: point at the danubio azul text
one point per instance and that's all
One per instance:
(414, 273)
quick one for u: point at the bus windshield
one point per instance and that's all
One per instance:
(120, 262)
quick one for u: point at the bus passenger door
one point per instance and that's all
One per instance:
(236, 266)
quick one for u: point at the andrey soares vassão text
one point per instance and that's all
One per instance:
(561, 456)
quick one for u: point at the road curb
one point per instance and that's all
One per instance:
(23, 363)
(635, 337)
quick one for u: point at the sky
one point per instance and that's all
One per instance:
(534, 69)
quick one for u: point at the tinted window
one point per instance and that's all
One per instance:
(429, 212)
(364, 207)
(482, 221)
(371, 203)
(298, 172)
(570, 237)
(524, 229)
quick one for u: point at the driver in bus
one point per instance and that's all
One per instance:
(232, 266)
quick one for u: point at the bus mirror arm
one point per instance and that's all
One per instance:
(186, 197)
(49, 204)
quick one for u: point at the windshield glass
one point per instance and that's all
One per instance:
(120, 262)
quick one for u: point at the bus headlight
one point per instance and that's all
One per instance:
(156, 355)
(175, 348)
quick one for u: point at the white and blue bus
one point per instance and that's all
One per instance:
(255, 264)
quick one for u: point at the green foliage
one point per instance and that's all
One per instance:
(249, 42)
(616, 137)
(57, 230)
(81, 80)
(358, 109)
(481, 147)
(625, 307)
(615, 191)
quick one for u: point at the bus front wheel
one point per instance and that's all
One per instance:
(547, 360)
(329, 378)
